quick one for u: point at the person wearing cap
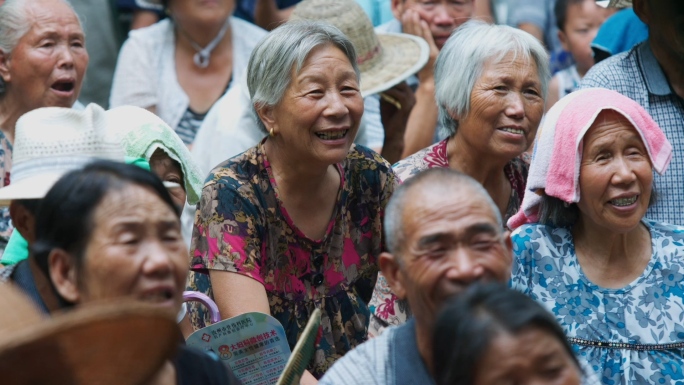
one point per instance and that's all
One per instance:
(385, 61)
(43, 60)
(49, 142)
(491, 82)
(433, 21)
(652, 74)
(111, 232)
(294, 223)
(179, 67)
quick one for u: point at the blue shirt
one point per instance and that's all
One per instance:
(637, 75)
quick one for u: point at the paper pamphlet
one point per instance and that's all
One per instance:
(253, 344)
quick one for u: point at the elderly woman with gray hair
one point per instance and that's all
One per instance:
(42, 63)
(295, 222)
(491, 81)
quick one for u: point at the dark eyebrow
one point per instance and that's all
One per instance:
(482, 228)
(433, 238)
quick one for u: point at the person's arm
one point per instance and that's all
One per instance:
(268, 16)
(396, 105)
(135, 77)
(143, 18)
(420, 128)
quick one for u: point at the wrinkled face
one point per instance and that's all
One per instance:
(47, 66)
(319, 114)
(452, 239)
(532, 356)
(135, 250)
(615, 175)
(506, 106)
(581, 26)
(168, 170)
(442, 16)
(201, 11)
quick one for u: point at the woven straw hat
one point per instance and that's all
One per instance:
(614, 3)
(51, 141)
(385, 60)
(121, 343)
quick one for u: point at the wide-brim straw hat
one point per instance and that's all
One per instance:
(614, 3)
(51, 141)
(385, 60)
(122, 343)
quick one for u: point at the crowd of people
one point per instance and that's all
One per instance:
(465, 189)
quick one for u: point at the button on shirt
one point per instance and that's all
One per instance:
(637, 75)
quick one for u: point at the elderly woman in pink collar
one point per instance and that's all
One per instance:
(613, 279)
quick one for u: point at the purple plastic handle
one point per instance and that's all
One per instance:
(190, 296)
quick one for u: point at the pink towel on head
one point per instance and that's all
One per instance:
(558, 152)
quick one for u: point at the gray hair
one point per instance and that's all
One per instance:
(269, 72)
(465, 54)
(14, 24)
(429, 180)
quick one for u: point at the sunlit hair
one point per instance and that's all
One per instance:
(469, 322)
(269, 71)
(14, 24)
(429, 180)
(462, 59)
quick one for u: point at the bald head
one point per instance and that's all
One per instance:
(426, 194)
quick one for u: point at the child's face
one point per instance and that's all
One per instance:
(581, 25)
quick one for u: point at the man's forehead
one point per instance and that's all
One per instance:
(426, 204)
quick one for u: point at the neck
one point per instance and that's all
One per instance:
(9, 114)
(296, 176)
(424, 343)
(672, 66)
(202, 35)
(483, 168)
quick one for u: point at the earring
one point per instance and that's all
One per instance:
(271, 132)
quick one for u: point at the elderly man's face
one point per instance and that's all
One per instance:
(450, 241)
(46, 67)
(442, 16)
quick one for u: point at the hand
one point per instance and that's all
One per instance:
(395, 108)
(414, 25)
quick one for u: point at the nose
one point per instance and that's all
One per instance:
(441, 16)
(336, 106)
(515, 106)
(66, 57)
(465, 267)
(622, 172)
(157, 261)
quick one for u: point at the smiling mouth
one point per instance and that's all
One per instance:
(63, 86)
(516, 131)
(622, 202)
(332, 135)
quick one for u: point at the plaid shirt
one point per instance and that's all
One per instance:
(637, 74)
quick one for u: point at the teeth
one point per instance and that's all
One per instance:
(624, 201)
(332, 135)
(513, 130)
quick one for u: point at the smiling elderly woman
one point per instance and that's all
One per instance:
(295, 223)
(490, 86)
(612, 278)
(42, 63)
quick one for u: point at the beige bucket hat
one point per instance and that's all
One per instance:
(51, 141)
(385, 60)
(117, 343)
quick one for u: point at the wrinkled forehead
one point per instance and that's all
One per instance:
(39, 12)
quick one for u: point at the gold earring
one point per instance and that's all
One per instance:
(271, 132)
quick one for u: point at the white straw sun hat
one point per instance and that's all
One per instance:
(385, 60)
(51, 141)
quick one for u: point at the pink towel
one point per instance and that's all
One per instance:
(558, 151)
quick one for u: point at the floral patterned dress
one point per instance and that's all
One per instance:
(386, 308)
(632, 335)
(5, 167)
(242, 227)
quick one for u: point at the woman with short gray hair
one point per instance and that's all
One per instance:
(42, 63)
(295, 222)
(491, 81)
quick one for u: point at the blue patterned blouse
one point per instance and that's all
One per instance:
(632, 335)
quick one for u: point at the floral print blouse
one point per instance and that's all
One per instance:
(5, 167)
(631, 335)
(241, 226)
(386, 308)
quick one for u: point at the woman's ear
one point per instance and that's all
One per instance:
(266, 115)
(390, 267)
(63, 273)
(5, 67)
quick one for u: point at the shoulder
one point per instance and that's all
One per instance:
(197, 367)
(665, 230)
(360, 159)
(238, 170)
(153, 34)
(365, 364)
(614, 73)
(429, 157)
(531, 238)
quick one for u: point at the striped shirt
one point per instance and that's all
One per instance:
(637, 75)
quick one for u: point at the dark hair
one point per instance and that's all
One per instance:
(31, 205)
(65, 216)
(560, 10)
(467, 324)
